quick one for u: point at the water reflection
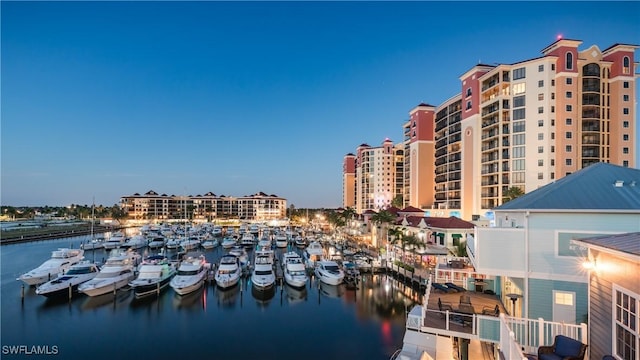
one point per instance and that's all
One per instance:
(95, 302)
(227, 298)
(332, 291)
(295, 295)
(191, 301)
(263, 297)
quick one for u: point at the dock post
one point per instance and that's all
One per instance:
(70, 290)
(22, 293)
(158, 288)
(114, 289)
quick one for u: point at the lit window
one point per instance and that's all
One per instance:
(564, 298)
(625, 335)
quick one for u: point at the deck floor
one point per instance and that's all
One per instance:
(459, 323)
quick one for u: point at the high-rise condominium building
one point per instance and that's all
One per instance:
(376, 175)
(519, 125)
(349, 181)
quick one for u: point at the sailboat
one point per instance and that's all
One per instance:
(93, 243)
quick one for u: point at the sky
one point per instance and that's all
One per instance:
(106, 99)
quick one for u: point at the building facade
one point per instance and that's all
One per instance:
(418, 164)
(349, 181)
(376, 175)
(154, 206)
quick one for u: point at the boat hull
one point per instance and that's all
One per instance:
(152, 288)
(105, 287)
(187, 289)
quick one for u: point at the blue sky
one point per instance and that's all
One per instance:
(106, 99)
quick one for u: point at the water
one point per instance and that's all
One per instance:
(318, 322)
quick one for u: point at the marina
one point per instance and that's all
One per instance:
(314, 321)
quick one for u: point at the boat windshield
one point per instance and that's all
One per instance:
(332, 268)
(263, 272)
(188, 272)
(297, 273)
(227, 271)
(82, 270)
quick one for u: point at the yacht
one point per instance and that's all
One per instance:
(115, 240)
(76, 275)
(329, 272)
(265, 242)
(254, 229)
(263, 276)
(94, 244)
(191, 274)
(154, 274)
(247, 239)
(135, 242)
(228, 242)
(228, 272)
(217, 230)
(60, 261)
(173, 243)
(241, 254)
(300, 242)
(190, 243)
(114, 274)
(281, 240)
(157, 241)
(313, 253)
(210, 244)
(295, 273)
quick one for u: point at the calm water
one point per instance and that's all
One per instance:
(319, 322)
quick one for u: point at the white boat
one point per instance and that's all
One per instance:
(76, 275)
(254, 229)
(263, 276)
(60, 261)
(210, 244)
(241, 254)
(115, 240)
(295, 273)
(362, 262)
(281, 240)
(157, 242)
(228, 242)
(300, 241)
(228, 272)
(247, 239)
(329, 272)
(313, 253)
(135, 242)
(229, 231)
(190, 243)
(154, 274)
(93, 244)
(173, 243)
(114, 274)
(265, 242)
(217, 230)
(191, 274)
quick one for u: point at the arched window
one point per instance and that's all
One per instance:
(625, 65)
(569, 61)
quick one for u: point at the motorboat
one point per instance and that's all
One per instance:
(254, 229)
(61, 260)
(190, 243)
(329, 272)
(295, 273)
(157, 242)
(313, 253)
(228, 272)
(154, 274)
(114, 274)
(94, 244)
(76, 275)
(114, 241)
(173, 243)
(363, 262)
(230, 231)
(265, 242)
(135, 242)
(263, 276)
(228, 242)
(300, 241)
(281, 240)
(247, 239)
(217, 230)
(191, 274)
(210, 244)
(241, 254)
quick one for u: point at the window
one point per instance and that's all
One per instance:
(519, 88)
(540, 123)
(553, 162)
(519, 73)
(569, 95)
(568, 121)
(567, 162)
(540, 149)
(567, 148)
(569, 81)
(540, 176)
(553, 67)
(518, 114)
(540, 162)
(569, 108)
(625, 137)
(518, 139)
(625, 65)
(625, 97)
(540, 83)
(468, 92)
(625, 111)
(540, 136)
(553, 96)
(625, 124)
(626, 336)
(552, 176)
(553, 109)
(553, 149)
(625, 84)
(553, 122)
(553, 82)
(519, 101)
(540, 68)
(625, 150)
(625, 163)
(553, 136)
(518, 165)
(468, 105)
(540, 109)
(569, 61)
(518, 126)
(540, 96)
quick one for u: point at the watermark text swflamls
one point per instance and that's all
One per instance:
(30, 350)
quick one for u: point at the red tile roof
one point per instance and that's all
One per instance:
(451, 222)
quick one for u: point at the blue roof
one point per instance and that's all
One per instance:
(601, 186)
(628, 243)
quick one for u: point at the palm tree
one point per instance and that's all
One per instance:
(511, 193)
(398, 202)
(382, 219)
(408, 241)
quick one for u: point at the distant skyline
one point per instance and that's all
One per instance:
(107, 99)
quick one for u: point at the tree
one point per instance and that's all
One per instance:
(408, 241)
(382, 219)
(398, 201)
(511, 193)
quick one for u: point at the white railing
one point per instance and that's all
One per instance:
(509, 347)
(533, 333)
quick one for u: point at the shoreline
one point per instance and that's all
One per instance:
(18, 236)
